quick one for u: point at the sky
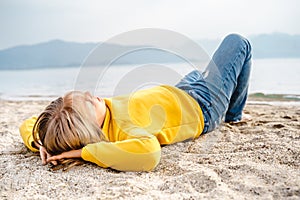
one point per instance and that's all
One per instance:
(34, 21)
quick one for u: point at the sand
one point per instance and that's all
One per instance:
(259, 159)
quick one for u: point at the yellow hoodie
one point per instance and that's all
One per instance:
(136, 126)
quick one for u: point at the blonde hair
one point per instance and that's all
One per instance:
(68, 123)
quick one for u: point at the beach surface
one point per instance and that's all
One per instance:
(258, 159)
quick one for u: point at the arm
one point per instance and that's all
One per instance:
(129, 155)
(26, 133)
(141, 152)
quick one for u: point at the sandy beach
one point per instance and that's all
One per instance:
(259, 159)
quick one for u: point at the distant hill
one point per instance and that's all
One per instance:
(276, 45)
(53, 53)
(58, 53)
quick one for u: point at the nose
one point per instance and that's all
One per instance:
(87, 93)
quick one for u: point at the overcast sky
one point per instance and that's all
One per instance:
(33, 21)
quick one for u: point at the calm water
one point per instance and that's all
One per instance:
(270, 76)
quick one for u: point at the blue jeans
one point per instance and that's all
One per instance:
(222, 89)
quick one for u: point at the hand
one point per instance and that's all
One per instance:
(45, 155)
(67, 154)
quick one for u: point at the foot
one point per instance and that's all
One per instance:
(244, 120)
(246, 117)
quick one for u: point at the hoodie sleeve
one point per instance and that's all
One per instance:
(140, 152)
(26, 132)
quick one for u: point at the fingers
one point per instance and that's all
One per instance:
(54, 162)
(53, 159)
(48, 158)
(43, 155)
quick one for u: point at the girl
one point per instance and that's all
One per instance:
(126, 132)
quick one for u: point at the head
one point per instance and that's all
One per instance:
(70, 122)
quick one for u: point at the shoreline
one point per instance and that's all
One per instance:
(257, 96)
(274, 97)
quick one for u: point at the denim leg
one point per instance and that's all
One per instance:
(239, 96)
(222, 88)
(227, 77)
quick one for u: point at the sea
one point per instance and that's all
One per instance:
(268, 76)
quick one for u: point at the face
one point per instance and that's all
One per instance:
(100, 109)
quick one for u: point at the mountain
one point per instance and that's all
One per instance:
(276, 45)
(53, 53)
(58, 53)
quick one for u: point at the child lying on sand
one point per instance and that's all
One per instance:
(126, 132)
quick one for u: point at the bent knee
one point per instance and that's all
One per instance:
(238, 40)
(235, 37)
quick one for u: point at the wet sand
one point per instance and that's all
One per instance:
(258, 159)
